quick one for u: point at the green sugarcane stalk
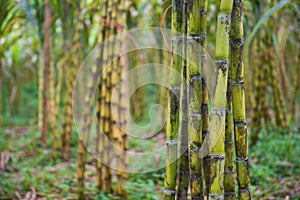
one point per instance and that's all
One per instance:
(184, 173)
(238, 102)
(205, 93)
(194, 100)
(229, 181)
(216, 189)
(173, 104)
(183, 155)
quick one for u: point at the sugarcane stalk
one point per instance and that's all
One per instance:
(281, 119)
(183, 176)
(57, 143)
(194, 100)
(217, 131)
(173, 105)
(46, 51)
(1, 96)
(101, 100)
(70, 69)
(183, 154)
(205, 94)
(124, 124)
(238, 102)
(258, 76)
(118, 133)
(229, 180)
(107, 54)
(82, 156)
(40, 94)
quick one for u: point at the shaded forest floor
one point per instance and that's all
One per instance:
(27, 170)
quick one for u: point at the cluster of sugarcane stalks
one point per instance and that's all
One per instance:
(273, 102)
(111, 110)
(268, 76)
(53, 80)
(205, 147)
(56, 105)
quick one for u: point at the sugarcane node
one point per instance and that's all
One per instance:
(195, 176)
(238, 84)
(216, 196)
(194, 37)
(203, 12)
(169, 191)
(229, 112)
(228, 141)
(222, 64)
(195, 77)
(229, 171)
(236, 42)
(229, 194)
(245, 160)
(244, 190)
(217, 157)
(174, 90)
(171, 142)
(205, 132)
(194, 149)
(240, 124)
(195, 116)
(184, 171)
(177, 39)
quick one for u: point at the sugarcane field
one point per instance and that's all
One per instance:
(149, 100)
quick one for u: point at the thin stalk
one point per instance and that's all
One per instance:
(205, 93)
(107, 54)
(183, 154)
(229, 180)
(101, 101)
(46, 51)
(173, 105)
(238, 101)
(216, 190)
(194, 100)
(69, 82)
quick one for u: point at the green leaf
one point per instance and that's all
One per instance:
(263, 19)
